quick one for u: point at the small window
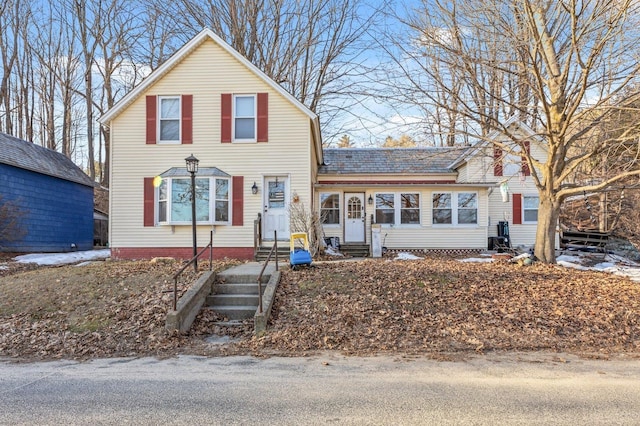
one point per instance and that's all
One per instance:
(162, 201)
(409, 209)
(467, 208)
(385, 210)
(244, 118)
(221, 197)
(169, 121)
(442, 211)
(530, 209)
(330, 209)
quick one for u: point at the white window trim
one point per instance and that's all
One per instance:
(397, 209)
(454, 210)
(331, 225)
(255, 118)
(529, 222)
(212, 202)
(159, 124)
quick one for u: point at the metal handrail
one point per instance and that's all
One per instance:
(274, 247)
(192, 260)
(257, 235)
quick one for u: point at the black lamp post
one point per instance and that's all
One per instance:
(192, 167)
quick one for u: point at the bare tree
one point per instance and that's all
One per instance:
(313, 48)
(558, 66)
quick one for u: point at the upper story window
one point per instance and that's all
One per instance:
(244, 118)
(455, 208)
(330, 208)
(169, 119)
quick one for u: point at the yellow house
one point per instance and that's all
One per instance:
(259, 150)
(450, 198)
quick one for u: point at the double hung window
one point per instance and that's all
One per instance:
(330, 208)
(244, 118)
(455, 208)
(169, 119)
(397, 208)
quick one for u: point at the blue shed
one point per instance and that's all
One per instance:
(52, 196)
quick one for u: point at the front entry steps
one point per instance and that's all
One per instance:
(355, 249)
(283, 253)
(235, 294)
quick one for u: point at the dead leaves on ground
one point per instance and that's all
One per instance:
(429, 306)
(100, 310)
(437, 305)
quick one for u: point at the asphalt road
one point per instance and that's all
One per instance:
(329, 389)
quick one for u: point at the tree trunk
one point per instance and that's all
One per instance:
(548, 212)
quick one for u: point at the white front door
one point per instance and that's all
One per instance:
(354, 218)
(275, 200)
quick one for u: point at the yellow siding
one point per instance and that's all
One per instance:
(480, 169)
(206, 73)
(422, 236)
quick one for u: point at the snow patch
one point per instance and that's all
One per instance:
(406, 256)
(572, 265)
(63, 258)
(476, 260)
(329, 251)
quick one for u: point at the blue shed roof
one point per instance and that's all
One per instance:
(29, 156)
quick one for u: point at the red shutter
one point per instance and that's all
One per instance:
(187, 119)
(151, 119)
(263, 117)
(497, 161)
(517, 209)
(238, 201)
(149, 201)
(525, 163)
(226, 105)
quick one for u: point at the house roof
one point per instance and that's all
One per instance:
(421, 161)
(183, 52)
(202, 172)
(29, 156)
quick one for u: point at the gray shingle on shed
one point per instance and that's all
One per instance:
(29, 156)
(426, 160)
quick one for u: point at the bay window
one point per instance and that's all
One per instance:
(212, 195)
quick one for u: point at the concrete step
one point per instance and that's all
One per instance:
(235, 312)
(237, 288)
(216, 300)
(263, 252)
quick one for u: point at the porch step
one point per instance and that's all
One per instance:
(355, 250)
(235, 295)
(233, 300)
(235, 313)
(283, 253)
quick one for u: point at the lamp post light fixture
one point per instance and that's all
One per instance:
(192, 168)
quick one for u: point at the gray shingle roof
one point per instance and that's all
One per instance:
(390, 160)
(29, 156)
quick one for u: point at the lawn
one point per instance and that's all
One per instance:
(433, 307)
